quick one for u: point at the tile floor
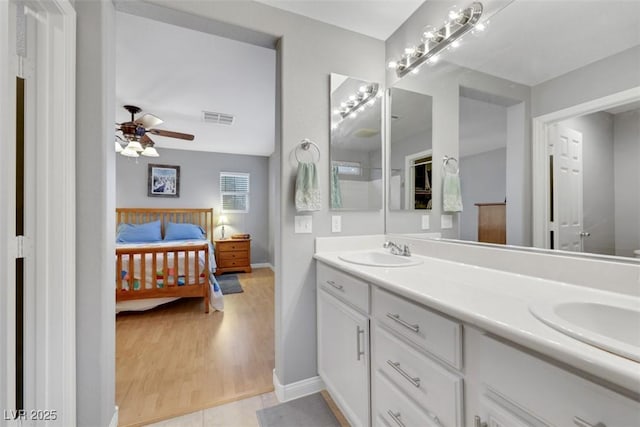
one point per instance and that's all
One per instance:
(241, 413)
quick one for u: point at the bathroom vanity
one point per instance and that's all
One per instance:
(442, 343)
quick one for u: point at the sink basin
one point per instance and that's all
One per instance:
(379, 259)
(612, 326)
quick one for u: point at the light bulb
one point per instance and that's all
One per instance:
(343, 104)
(434, 59)
(364, 89)
(352, 98)
(336, 111)
(410, 51)
(455, 44)
(353, 115)
(334, 126)
(361, 109)
(392, 64)
(480, 26)
(129, 152)
(149, 151)
(415, 71)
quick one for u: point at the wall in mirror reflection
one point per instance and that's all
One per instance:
(356, 144)
(486, 94)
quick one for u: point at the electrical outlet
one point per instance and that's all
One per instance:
(425, 222)
(446, 221)
(336, 224)
(303, 224)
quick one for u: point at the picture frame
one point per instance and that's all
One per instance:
(163, 181)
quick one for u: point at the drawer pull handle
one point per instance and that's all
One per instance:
(582, 423)
(396, 317)
(358, 348)
(413, 380)
(395, 416)
(335, 285)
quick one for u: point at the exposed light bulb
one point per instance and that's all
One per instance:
(410, 51)
(480, 26)
(434, 59)
(343, 104)
(353, 115)
(392, 64)
(336, 111)
(454, 15)
(364, 89)
(415, 70)
(352, 98)
(361, 109)
(455, 44)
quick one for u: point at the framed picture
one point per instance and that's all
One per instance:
(163, 181)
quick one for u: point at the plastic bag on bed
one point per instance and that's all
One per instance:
(216, 300)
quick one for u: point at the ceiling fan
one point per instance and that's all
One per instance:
(134, 134)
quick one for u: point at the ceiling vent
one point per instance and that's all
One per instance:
(217, 118)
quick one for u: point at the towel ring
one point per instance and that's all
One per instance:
(305, 145)
(446, 161)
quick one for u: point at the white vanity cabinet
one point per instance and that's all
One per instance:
(509, 386)
(418, 368)
(343, 342)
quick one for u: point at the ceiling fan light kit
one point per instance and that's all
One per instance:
(134, 134)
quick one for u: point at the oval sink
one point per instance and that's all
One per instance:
(379, 259)
(614, 327)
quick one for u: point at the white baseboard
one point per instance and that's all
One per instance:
(263, 265)
(286, 392)
(114, 419)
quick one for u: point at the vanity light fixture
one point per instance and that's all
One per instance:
(435, 40)
(357, 103)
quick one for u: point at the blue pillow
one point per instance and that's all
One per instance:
(139, 233)
(183, 231)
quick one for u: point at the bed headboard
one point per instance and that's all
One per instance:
(201, 217)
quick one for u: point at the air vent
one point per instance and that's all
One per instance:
(217, 118)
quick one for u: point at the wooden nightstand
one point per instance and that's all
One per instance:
(233, 255)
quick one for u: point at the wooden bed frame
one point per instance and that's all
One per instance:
(198, 287)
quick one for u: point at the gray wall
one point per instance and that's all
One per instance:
(200, 187)
(95, 213)
(598, 169)
(483, 179)
(626, 135)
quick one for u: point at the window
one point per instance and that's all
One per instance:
(234, 192)
(348, 168)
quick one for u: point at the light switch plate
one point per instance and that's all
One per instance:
(303, 224)
(446, 221)
(336, 224)
(425, 222)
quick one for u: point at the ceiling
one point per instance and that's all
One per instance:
(532, 41)
(374, 18)
(176, 73)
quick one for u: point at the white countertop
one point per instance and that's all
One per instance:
(498, 302)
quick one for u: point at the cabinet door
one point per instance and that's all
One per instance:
(343, 357)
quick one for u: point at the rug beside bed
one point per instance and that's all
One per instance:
(229, 284)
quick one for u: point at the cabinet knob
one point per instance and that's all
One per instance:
(582, 423)
(395, 416)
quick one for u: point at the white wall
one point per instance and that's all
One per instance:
(95, 213)
(597, 178)
(483, 179)
(200, 188)
(626, 135)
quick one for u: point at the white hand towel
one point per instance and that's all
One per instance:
(451, 195)
(307, 189)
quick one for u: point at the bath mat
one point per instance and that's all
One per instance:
(308, 411)
(229, 284)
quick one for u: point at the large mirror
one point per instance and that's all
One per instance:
(410, 151)
(544, 125)
(356, 144)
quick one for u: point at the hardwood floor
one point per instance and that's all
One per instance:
(175, 359)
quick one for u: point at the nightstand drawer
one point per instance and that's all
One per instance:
(233, 255)
(228, 246)
(239, 262)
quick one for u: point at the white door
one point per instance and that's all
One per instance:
(566, 147)
(343, 357)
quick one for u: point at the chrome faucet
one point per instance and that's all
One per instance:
(397, 249)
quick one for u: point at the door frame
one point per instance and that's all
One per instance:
(52, 366)
(541, 126)
(409, 176)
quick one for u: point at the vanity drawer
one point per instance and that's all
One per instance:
(392, 408)
(437, 390)
(345, 287)
(431, 331)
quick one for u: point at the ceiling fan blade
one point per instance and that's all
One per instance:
(149, 120)
(145, 140)
(171, 134)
